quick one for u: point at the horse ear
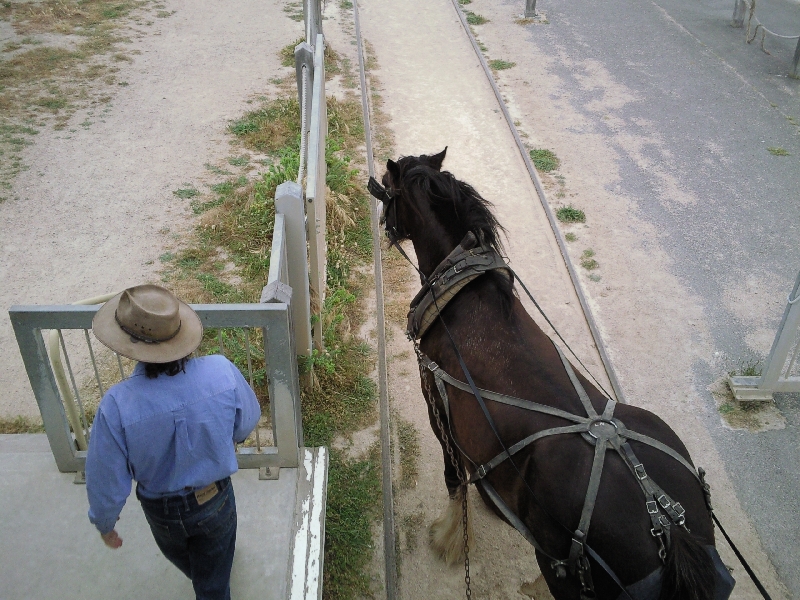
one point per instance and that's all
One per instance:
(392, 167)
(436, 160)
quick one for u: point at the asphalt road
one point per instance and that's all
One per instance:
(718, 103)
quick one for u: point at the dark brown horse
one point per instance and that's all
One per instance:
(545, 484)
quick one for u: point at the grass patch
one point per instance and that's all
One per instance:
(235, 228)
(570, 214)
(587, 260)
(501, 65)
(475, 19)
(185, 193)
(286, 53)
(408, 442)
(36, 67)
(544, 160)
(570, 237)
(778, 151)
(464, 2)
(239, 161)
(21, 425)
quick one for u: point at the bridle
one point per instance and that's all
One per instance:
(388, 197)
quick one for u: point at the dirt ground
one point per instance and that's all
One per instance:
(96, 210)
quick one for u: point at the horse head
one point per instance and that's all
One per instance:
(432, 208)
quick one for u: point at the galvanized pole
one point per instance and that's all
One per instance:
(738, 13)
(530, 9)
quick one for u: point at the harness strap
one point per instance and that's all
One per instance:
(486, 467)
(440, 373)
(646, 439)
(587, 404)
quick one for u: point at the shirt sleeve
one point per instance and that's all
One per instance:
(108, 477)
(248, 412)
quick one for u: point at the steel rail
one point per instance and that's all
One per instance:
(587, 313)
(389, 543)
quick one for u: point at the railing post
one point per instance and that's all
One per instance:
(530, 9)
(289, 203)
(784, 340)
(315, 189)
(284, 388)
(796, 59)
(739, 8)
(37, 365)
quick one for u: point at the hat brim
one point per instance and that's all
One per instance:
(109, 333)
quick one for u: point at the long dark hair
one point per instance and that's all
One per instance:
(153, 370)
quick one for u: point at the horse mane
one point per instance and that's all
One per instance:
(460, 209)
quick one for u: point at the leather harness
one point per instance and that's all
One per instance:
(604, 431)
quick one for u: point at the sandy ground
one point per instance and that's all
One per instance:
(96, 209)
(99, 204)
(437, 96)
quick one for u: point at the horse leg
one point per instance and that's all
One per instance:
(451, 479)
(447, 531)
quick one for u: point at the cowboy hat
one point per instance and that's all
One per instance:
(149, 324)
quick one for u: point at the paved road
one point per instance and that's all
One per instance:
(717, 103)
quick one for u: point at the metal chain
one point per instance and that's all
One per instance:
(461, 476)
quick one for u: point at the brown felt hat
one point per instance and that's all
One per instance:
(149, 324)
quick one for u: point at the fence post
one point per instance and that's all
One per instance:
(796, 59)
(784, 340)
(289, 202)
(530, 9)
(315, 189)
(739, 8)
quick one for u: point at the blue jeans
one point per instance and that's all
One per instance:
(198, 539)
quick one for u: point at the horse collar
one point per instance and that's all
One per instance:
(465, 263)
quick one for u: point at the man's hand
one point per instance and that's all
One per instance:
(112, 539)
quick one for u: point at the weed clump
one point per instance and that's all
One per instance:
(570, 214)
(778, 151)
(475, 19)
(544, 160)
(501, 65)
(587, 260)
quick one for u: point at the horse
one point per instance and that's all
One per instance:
(542, 489)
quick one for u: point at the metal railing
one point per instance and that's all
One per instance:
(63, 401)
(781, 372)
(310, 72)
(746, 9)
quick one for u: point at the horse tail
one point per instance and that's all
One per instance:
(688, 572)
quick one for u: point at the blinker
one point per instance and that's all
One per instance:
(380, 192)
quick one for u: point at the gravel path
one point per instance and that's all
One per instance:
(96, 209)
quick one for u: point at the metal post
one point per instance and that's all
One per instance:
(530, 9)
(289, 202)
(796, 59)
(315, 189)
(739, 8)
(784, 340)
(284, 389)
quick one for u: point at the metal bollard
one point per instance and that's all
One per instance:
(530, 9)
(739, 9)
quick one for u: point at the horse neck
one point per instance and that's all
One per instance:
(432, 244)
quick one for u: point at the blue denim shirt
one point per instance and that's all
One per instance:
(170, 434)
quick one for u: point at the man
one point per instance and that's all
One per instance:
(171, 426)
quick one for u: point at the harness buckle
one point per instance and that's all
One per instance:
(640, 472)
(433, 367)
(663, 521)
(482, 471)
(664, 501)
(652, 507)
